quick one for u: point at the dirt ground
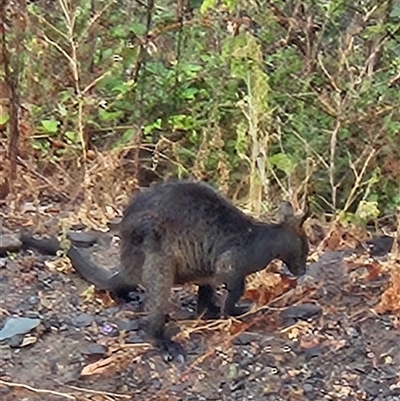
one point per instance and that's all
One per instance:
(320, 340)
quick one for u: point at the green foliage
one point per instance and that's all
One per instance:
(211, 4)
(50, 126)
(283, 162)
(254, 104)
(366, 211)
(4, 118)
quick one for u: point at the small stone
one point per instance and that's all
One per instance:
(111, 311)
(18, 325)
(78, 227)
(129, 325)
(155, 383)
(233, 371)
(28, 340)
(300, 312)
(110, 330)
(380, 246)
(52, 322)
(134, 339)
(245, 339)
(82, 320)
(351, 332)
(312, 352)
(15, 341)
(94, 349)
(33, 300)
(9, 243)
(308, 388)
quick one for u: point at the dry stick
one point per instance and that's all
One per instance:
(358, 176)
(310, 167)
(394, 79)
(332, 161)
(36, 390)
(212, 350)
(220, 322)
(245, 327)
(93, 20)
(278, 181)
(366, 151)
(328, 75)
(23, 163)
(89, 391)
(74, 64)
(75, 72)
(320, 159)
(95, 82)
(47, 23)
(395, 247)
(5, 311)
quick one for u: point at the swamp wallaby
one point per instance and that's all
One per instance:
(185, 232)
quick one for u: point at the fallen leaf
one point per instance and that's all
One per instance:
(28, 340)
(332, 240)
(337, 344)
(98, 367)
(340, 237)
(309, 341)
(390, 300)
(61, 264)
(264, 286)
(369, 269)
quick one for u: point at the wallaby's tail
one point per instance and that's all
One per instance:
(102, 278)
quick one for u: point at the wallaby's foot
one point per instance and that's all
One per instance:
(171, 350)
(126, 296)
(239, 310)
(235, 311)
(235, 292)
(209, 312)
(205, 303)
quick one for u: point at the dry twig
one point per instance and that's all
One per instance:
(24, 164)
(36, 390)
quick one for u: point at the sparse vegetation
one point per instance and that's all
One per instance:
(266, 101)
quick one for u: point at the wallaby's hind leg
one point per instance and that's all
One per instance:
(235, 291)
(205, 302)
(158, 279)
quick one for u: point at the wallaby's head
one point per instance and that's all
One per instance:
(294, 249)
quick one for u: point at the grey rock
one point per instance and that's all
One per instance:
(94, 349)
(82, 320)
(9, 243)
(18, 325)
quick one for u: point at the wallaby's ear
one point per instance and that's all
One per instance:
(284, 212)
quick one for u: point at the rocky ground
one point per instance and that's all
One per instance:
(320, 340)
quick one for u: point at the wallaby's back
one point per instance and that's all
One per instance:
(188, 222)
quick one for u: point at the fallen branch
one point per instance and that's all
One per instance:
(106, 393)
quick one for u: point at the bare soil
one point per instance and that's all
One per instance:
(320, 341)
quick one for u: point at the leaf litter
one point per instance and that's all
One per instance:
(259, 355)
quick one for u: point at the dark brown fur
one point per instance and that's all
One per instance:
(185, 232)
(181, 232)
